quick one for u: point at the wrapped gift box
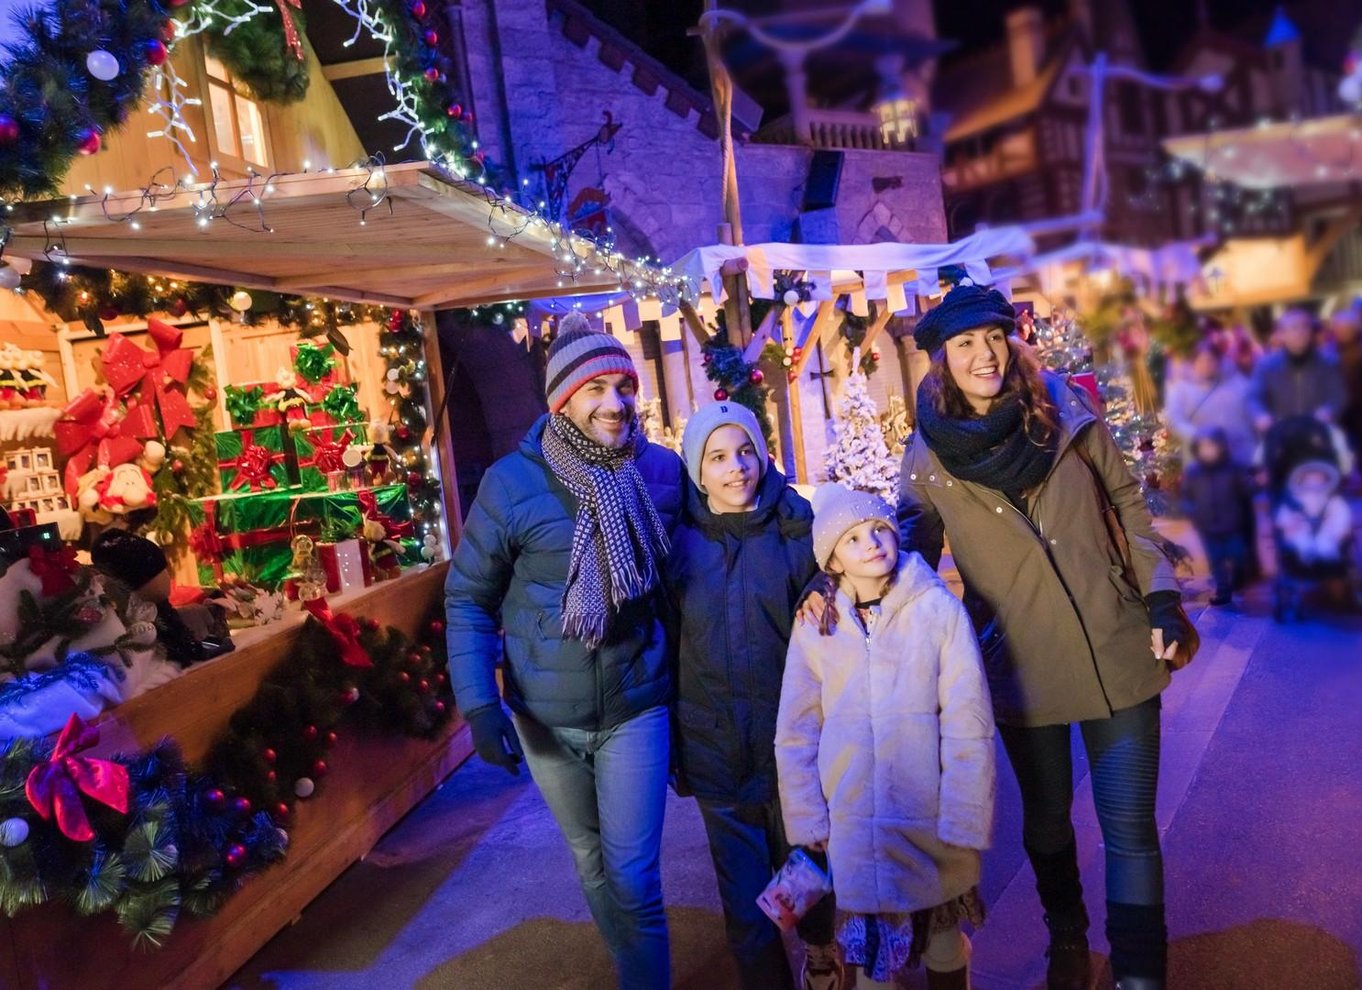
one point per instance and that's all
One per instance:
(246, 405)
(255, 459)
(321, 452)
(249, 535)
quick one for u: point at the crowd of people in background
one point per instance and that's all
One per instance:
(1282, 422)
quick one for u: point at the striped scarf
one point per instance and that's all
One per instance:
(618, 538)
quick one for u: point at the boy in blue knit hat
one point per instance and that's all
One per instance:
(740, 559)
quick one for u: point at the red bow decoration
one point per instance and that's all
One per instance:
(392, 530)
(56, 569)
(252, 465)
(327, 454)
(54, 788)
(161, 373)
(90, 433)
(343, 629)
(295, 44)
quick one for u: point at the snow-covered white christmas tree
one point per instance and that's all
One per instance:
(859, 457)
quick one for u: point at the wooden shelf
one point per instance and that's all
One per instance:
(377, 781)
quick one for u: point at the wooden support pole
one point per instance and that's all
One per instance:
(693, 322)
(763, 332)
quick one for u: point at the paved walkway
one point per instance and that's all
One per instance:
(1260, 804)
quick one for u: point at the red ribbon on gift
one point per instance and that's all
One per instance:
(252, 464)
(161, 373)
(327, 454)
(211, 547)
(56, 568)
(343, 629)
(54, 787)
(90, 433)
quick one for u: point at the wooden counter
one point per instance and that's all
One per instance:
(376, 782)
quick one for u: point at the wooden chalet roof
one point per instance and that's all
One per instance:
(425, 245)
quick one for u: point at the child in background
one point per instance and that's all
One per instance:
(1217, 496)
(740, 559)
(884, 746)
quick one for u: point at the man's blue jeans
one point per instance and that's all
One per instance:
(608, 791)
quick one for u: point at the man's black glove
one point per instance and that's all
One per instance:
(1166, 614)
(494, 737)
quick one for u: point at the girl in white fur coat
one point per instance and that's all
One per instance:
(884, 747)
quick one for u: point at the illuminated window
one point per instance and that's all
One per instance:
(898, 121)
(238, 123)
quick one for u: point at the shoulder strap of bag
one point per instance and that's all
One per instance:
(1115, 531)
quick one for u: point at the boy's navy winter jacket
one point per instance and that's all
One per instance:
(508, 573)
(735, 579)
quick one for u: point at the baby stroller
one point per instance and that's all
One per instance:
(1312, 526)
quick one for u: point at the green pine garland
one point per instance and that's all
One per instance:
(403, 349)
(255, 51)
(724, 365)
(93, 295)
(48, 92)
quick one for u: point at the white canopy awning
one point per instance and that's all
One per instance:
(1159, 269)
(880, 271)
(1317, 151)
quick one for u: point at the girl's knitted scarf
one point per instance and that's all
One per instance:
(994, 449)
(618, 538)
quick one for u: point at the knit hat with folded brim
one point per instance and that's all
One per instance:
(577, 355)
(837, 509)
(965, 307)
(709, 418)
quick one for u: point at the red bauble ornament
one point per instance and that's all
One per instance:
(319, 768)
(177, 465)
(281, 811)
(9, 129)
(797, 351)
(310, 733)
(431, 39)
(331, 738)
(423, 686)
(87, 141)
(155, 52)
(439, 708)
(720, 394)
(215, 799)
(756, 378)
(110, 313)
(404, 433)
(178, 3)
(468, 117)
(440, 679)
(235, 856)
(269, 755)
(211, 394)
(413, 479)
(271, 776)
(437, 627)
(350, 695)
(874, 355)
(418, 9)
(455, 110)
(433, 74)
(242, 806)
(179, 307)
(791, 377)
(707, 358)
(403, 676)
(168, 32)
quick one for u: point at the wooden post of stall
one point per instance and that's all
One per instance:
(801, 470)
(438, 436)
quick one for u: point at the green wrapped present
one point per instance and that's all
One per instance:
(255, 459)
(249, 535)
(322, 451)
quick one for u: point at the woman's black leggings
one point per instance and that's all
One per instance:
(1123, 752)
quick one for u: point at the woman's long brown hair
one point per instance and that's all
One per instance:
(1023, 377)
